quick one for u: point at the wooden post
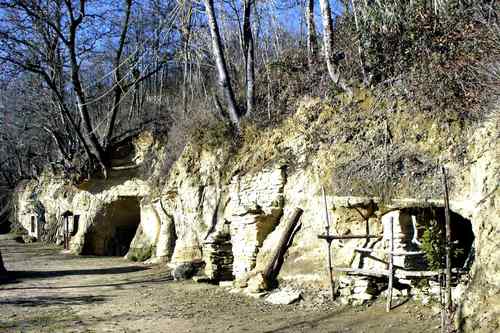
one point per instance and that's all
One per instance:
(391, 267)
(447, 299)
(65, 232)
(442, 304)
(329, 243)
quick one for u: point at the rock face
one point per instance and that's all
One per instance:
(108, 213)
(254, 210)
(231, 223)
(480, 310)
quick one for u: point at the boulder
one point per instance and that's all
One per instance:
(184, 271)
(28, 239)
(284, 296)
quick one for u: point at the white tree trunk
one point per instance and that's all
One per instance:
(333, 71)
(312, 44)
(220, 62)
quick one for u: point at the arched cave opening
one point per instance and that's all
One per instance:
(114, 229)
(432, 220)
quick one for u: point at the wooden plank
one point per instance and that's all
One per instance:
(394, 253)
(399, 273)
(402, 274)
(331, 237)
(361, 271)
(407, 253)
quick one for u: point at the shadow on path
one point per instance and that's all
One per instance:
(54, 300)
(118, 284)
(96, 271)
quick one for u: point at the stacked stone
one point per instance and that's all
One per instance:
(219, 258)
(357, 290)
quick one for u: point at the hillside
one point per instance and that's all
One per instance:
(211, 142)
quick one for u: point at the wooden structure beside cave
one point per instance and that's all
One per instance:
(400, 254)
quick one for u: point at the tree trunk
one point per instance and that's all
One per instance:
(118, 90)
(248, 48)
(273, 267)
(220, 61)
(79, 91)
(59, 143)
(312, 41)
(361, 54)
(186, 35)
(333, 71)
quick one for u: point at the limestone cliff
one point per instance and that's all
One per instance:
(223, 209)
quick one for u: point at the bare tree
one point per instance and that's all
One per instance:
(312, 41)
(333, 71)
(361, 55)
(186, 26)
(118, 85)
(249, 52)
(224, 80)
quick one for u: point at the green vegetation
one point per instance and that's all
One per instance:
(433, 244)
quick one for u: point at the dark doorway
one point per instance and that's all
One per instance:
(114, 228)
(462, 234)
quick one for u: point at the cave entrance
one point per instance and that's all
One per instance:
(114, 229)
(432, 221)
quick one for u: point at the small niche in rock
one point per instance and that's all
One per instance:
(114, 228)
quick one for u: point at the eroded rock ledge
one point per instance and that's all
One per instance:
(229, 228)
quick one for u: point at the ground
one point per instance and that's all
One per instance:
(51, 291)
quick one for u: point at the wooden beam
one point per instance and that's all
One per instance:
(331, 237)
(408, 253)
(361, 271)
(394, 253)
(399, 273)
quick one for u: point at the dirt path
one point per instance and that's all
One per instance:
(56, 292)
